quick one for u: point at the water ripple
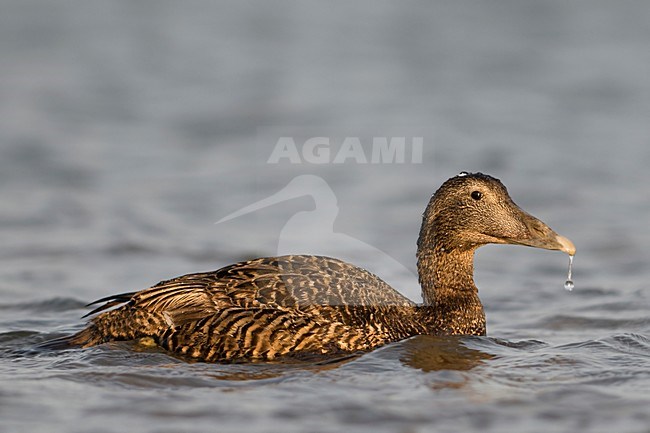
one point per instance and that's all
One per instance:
(563, 322)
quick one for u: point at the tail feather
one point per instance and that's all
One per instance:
(110, 301)
(60, 343)
(90, 336)
(118, 324)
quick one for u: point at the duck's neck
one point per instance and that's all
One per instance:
(451, 302)
(443, 274)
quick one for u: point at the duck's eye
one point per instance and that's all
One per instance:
(476, 195)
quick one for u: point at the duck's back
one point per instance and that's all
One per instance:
(260, 309)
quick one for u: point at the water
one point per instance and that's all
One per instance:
(128, 129)
(568, 284)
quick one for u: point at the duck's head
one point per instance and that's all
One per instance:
(474, 209)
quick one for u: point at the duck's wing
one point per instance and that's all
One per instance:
(297, 282)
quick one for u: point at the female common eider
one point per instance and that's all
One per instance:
(302, 305)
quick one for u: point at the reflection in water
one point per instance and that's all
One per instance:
(279, 369)
(432, 353)
(423, 352)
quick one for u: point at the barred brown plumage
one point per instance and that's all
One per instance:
(299, 305)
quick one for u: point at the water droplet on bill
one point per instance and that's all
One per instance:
(568, 284)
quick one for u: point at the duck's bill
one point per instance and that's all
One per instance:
(565, 245)
(551, 242)
(539, 235)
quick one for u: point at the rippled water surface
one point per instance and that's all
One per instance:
(128, 129)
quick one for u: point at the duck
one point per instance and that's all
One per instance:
(300, 306)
